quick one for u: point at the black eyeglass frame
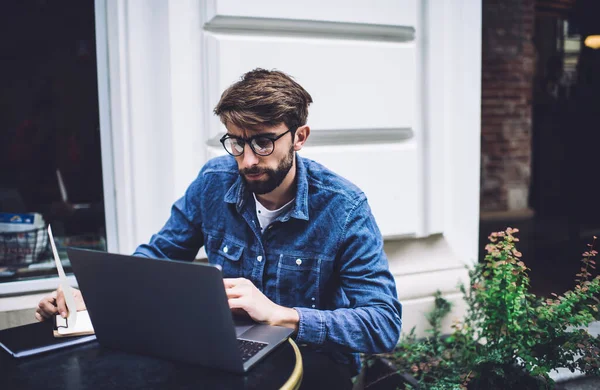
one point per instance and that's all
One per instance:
(250, 140)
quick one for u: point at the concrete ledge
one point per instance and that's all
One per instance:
(415, 310)
(425, 284)
(19, 310)
(10, 319)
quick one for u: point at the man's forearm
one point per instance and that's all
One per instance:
(286, 317)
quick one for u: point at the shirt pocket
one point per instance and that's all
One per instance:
(225, 253)
(298, 280)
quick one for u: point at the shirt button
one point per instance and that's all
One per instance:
(313, 306)
(298, 261)
(259, 258)
(225, 249)
(312, 299)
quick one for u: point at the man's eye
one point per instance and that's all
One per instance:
(262, 143)
(237, 146)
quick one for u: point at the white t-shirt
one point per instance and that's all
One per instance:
(266, 216)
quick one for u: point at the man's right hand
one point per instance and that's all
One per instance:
(55, 303)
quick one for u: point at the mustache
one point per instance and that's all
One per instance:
(254, 170)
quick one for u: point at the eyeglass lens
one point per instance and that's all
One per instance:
(260, 145)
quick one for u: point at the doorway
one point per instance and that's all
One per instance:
(565, 141)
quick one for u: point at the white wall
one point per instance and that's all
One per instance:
(396, 85)
(366, 67)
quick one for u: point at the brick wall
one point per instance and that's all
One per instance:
(554, 5)
(507, 75)
(508, 68)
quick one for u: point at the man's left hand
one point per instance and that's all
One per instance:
(244, 295)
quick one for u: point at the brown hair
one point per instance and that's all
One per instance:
(264, 98)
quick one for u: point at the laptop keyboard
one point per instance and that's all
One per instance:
(249, 348)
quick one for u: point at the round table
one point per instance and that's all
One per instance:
(90, 366)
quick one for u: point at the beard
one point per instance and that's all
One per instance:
(274, 177)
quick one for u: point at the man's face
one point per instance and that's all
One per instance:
(262, 174)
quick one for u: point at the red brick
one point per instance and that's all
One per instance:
(507, 77)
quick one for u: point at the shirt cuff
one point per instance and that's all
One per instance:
(311, 326)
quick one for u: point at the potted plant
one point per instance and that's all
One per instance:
(509, 337)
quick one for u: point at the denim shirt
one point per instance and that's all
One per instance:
(323, 257)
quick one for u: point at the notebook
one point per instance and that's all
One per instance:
(171, 309)
(83, 326)
(36, 338)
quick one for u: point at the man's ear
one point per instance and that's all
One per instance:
(301, 136)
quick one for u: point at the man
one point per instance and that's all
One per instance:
(297, 243)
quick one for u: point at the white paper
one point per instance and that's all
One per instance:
(64, 284)
(84, 324)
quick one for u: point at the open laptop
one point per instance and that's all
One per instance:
(170, 309)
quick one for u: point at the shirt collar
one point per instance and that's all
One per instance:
(238, 195)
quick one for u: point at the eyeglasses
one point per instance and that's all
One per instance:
(261, 145)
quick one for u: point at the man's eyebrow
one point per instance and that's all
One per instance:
(269, 134)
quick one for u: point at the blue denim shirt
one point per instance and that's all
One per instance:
(323, 257)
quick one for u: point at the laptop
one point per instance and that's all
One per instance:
(171, 309)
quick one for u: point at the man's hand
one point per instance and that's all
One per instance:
(55, 303)
(244, 295)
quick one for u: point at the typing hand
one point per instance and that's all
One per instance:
(244, 295)
(55, 303)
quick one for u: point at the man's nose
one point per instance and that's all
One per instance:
(249, 159)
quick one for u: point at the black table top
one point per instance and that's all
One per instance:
(91, 366)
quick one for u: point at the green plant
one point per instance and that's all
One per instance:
(509, 336)
(431, 360)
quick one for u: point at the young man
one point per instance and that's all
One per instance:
(297, 243)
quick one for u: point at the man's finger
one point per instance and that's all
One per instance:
(47, 314)
(230, 282)
(234, 292)
(61, 304)
(237, 303)
(46, 308)
(39, 317)
(43, 314)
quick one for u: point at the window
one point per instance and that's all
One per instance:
(49, 136)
